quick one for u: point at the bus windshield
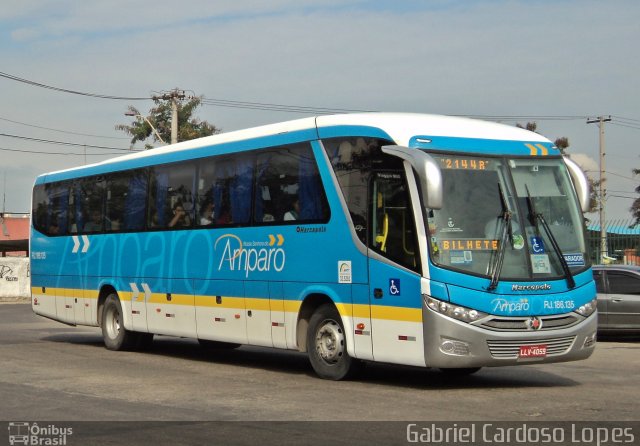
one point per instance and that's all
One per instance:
(493, 210)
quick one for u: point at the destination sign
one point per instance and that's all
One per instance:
(469, 244)
(464, 163)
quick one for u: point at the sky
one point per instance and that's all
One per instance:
(555, 62)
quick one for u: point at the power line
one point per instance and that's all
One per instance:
(65, 90)
(622, 118)
(622, 176)
(277, 107)
(61, 131)
(524, 117)
(636, 127)
(64, 143)
(327, 110)
(281, 107)
(54, 153)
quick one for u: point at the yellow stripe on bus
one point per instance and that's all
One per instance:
(396, 313)
(91, 294)
(532, 149)
(292, 306)
(543, 149)
(252, 303)
(225, 302)
(265, 304)
(362, 311)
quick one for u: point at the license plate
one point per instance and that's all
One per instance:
(533, 351)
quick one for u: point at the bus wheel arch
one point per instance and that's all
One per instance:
(310, 304)
(326, 343)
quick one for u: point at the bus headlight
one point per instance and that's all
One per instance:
(457, 312)
(588, 308)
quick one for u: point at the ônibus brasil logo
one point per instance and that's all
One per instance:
(250, 256)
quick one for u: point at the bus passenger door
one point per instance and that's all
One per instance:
(168, 312)
(78, 301)
(395, 292)
(258, 313)
(276, 302)
(363, 348)
(220, 310)
(396, 314)
(139, 292)
(64, 300)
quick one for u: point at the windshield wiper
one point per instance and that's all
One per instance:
(536, 217)
(507, 234)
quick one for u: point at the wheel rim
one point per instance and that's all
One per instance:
(330, 342)
(113, 323)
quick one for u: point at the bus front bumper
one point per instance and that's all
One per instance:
(450, 343)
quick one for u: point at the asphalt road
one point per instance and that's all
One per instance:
(53, 372)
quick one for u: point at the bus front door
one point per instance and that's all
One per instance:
(396, 314)
(395, 293)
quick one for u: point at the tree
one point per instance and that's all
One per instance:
(531, 126)
(562, 144)
(160, 117)
(635, 207)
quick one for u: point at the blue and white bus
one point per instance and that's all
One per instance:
(412, 239)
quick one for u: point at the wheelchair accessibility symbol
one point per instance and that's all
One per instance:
(394, 287)
(537, 245)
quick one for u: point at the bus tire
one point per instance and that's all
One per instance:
(217, 345)
(466, 371)
(327, 345)
(115, 336)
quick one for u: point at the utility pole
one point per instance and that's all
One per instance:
(173, 96)
(174, 119)
(600, 120)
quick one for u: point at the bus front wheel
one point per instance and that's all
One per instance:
(327, 345)
(115, 336)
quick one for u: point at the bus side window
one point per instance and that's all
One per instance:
(276, 185)
(288, 186)
(40, 208)
(57, 209)
(135, 201)
(391, 219)
(208, 206)
(91, 219)
(126, 198)
(352, 160)
(229, 183)
(171, 203)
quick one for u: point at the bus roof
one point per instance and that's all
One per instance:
(399, 127)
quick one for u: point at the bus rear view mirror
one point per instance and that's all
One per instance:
(430, 177)
(580, 183)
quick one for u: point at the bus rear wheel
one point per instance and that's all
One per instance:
(115, 336)
(327, 345)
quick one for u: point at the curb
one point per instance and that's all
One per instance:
(15, 300)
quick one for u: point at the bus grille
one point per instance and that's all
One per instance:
(520, 323)
(510, 349)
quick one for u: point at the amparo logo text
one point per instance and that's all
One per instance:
(505, 306)
(262, 256)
